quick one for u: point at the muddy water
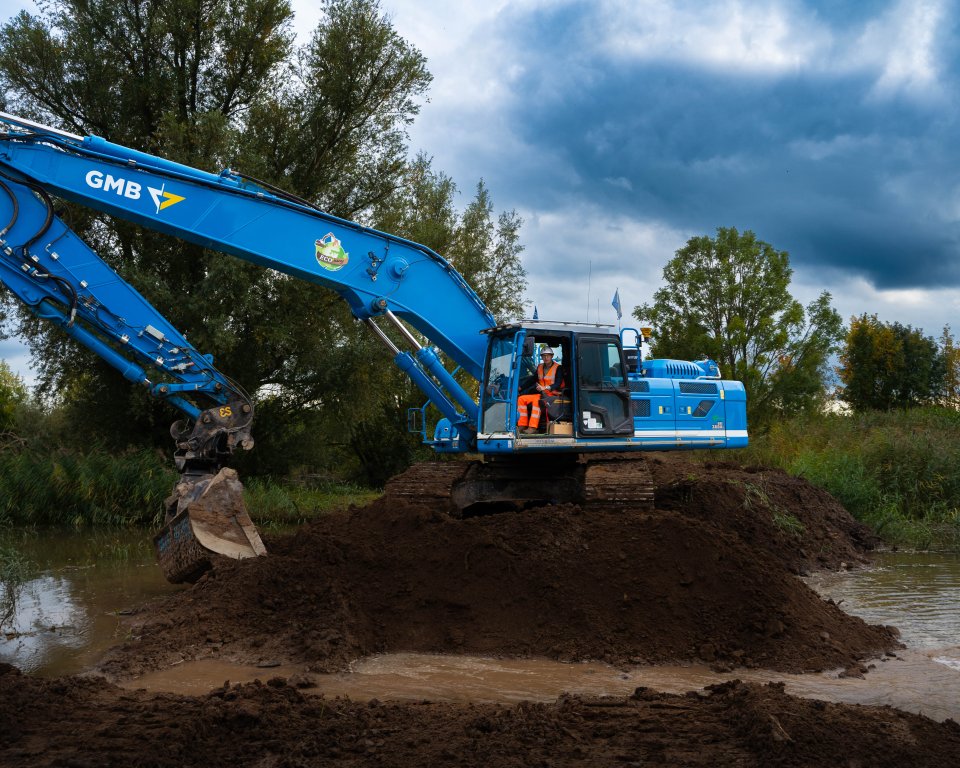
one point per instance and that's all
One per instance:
(77, 589)
(919, 593)
(911, 681)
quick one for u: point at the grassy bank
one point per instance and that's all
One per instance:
(277, 504)
(100, 489)
(898, 471)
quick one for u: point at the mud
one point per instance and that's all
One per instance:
(88, 722)
(710, 576)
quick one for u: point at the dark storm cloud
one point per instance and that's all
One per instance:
(826, 165)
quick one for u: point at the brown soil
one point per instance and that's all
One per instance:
(79, 722)
(707, 576)
(710, 575)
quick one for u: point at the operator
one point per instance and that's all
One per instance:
(549, 382)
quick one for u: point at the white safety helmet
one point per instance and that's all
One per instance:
(546, 351)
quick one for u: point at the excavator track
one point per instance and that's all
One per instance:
(466, 488)
(618, 483)
(428, 483)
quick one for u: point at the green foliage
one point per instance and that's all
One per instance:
(13, 397)
(756, 496)
(484, 251)
(40, 487)
(336, 132)
(277, 505)
(889, 365)
(727, 298)
(950, 352)
(103, 490)
(895, 470)
(164, 63)
(788, 524)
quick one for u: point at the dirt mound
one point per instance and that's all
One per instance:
(706, 576)
(88, 722)
(801, 525)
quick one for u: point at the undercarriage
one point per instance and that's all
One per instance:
(469, 488)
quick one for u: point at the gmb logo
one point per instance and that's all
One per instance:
(131, 189)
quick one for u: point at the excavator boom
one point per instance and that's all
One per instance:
(48, 267)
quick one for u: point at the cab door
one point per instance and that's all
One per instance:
(603, 396)
(503, 372)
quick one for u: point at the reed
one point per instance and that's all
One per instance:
(101, 489)
(15, 569)
(96, 488)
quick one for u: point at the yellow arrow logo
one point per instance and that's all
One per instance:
(163, 199)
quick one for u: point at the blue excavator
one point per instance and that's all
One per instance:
(610, 404)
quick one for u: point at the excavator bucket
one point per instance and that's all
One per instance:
(207, 521)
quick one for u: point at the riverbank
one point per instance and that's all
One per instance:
(709, 578)
(97, 489)
(896, 471)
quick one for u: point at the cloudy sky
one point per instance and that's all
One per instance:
(618, 129)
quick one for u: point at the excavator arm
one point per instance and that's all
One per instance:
(48, 267)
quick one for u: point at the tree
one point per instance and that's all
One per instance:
(727, 298)
(950, 396)
(216, 83)
(335, 132)
(889, 365)
(488, 255)
(13, 395)
(173, 78)
(484, 252)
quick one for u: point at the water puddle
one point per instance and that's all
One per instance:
(69, 607)
(912, 681)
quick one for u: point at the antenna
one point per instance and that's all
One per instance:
(589, 275)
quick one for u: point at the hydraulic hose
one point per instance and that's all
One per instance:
(40, 272)
(16, 208)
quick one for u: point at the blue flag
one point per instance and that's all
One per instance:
(536, 315)
(616, 304)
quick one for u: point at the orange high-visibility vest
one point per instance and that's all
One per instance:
(546, 379)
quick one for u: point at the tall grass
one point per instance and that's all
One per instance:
(15, 568)
(104, 489)
(75, 488)
(897, 471)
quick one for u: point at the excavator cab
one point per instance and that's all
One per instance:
(617, 400)
(594, 396)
